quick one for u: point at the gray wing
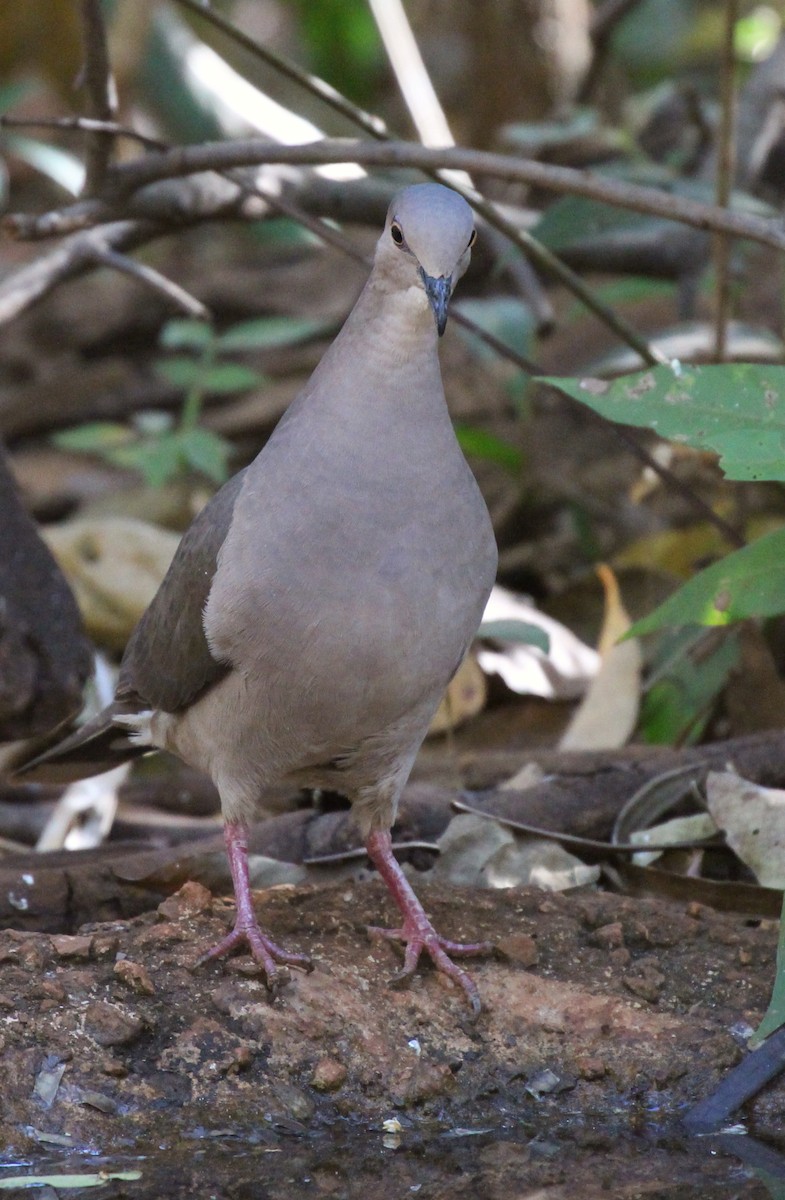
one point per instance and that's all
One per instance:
(167, 662)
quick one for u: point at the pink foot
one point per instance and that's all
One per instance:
(246, 930)
(417, 932)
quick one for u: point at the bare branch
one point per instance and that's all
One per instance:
(105, 256)
(82, 124)
(372, 125)
(34, 227)
(102, 96)
(72, 257)
(221, 156)
(726, 173)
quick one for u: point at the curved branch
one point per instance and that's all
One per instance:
(220, 156)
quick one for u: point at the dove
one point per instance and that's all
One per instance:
(320, 603)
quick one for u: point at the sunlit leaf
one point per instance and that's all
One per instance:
(747, 583)
(735, 409)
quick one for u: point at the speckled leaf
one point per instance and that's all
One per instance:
(734, 409)
(746, 583)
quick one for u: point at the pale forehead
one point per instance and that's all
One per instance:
(429, 210)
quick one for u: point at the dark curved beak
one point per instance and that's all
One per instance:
(438, 292)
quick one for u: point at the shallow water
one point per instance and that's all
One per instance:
(373, 1164)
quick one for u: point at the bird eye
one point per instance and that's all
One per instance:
(396, 233)
(472, 239)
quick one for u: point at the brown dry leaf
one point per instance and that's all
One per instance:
(609, 712)
(465, 697)
(114, 565)
(753, 820)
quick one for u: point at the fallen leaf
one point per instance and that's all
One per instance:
(753, 820)
(608, 713)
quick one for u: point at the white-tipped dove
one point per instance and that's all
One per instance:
(318, 606)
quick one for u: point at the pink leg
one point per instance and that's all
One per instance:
(246, 927)
(417, 931)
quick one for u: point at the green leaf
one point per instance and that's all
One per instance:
(682, 690)
(775, 1013)
(516, 631)
(186, 333)
(93, 438)
(481, 444)
(158, 460)
(221, 378)
(734, 409)
(225, 378)
(503, 316)
(206, 452)
(746, 583)
(269, 333)
(181, 372)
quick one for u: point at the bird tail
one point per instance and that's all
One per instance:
(95, 747)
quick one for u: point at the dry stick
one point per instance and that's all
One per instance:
(102, 95)
(176, 295)
(83, 124)
(726, 166)
(221, 156)
(67, 260)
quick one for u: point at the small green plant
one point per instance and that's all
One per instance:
(161, 447)
(736, 410)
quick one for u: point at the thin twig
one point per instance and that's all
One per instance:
(372, 125)
(72, 257)
(726, 169)
(220, 156)
(105, 256)
(85, 125)
(101, 92)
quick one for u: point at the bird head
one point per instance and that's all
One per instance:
(427, 243)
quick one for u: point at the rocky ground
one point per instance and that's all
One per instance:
(605, 1017)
